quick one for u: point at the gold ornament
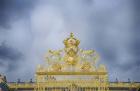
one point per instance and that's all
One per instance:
(56, 67)
(86, 67)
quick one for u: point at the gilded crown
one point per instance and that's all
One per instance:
(71, 41)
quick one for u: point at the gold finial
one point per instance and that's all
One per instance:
(71, 35)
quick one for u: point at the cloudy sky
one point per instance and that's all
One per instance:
(28, 28)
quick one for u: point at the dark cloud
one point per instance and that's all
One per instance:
(8, 53)
(11, 10)
(9, 56)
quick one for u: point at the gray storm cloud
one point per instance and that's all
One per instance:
(29, 28)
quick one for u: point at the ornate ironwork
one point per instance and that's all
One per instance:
(72, 69)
